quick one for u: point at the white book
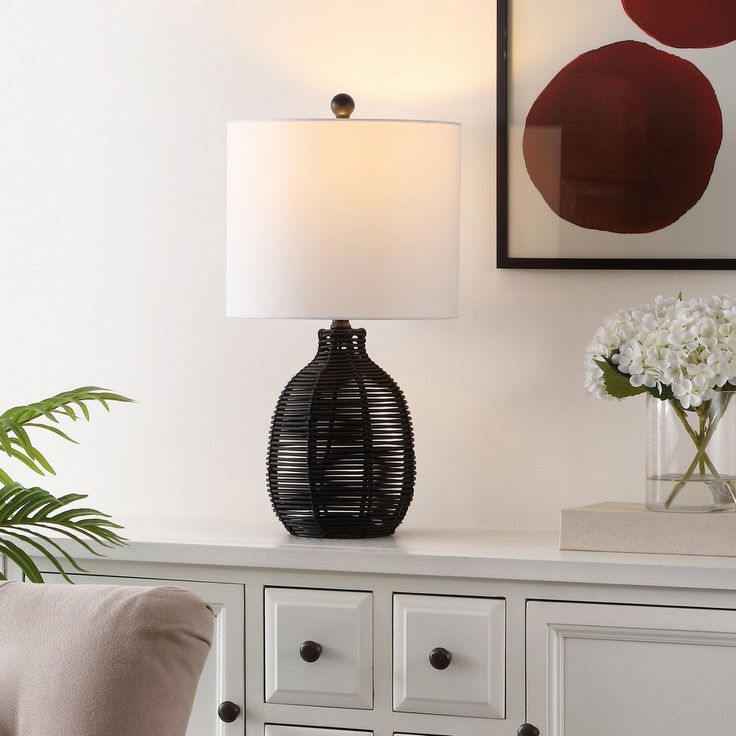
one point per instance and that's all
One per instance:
(630, 527)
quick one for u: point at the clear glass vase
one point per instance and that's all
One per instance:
(691, 455)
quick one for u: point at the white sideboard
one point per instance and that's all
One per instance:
(443, 633)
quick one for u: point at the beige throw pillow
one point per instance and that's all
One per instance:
(99, 660)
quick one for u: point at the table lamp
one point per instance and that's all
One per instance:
(341, 219)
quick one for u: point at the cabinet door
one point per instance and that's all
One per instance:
(613, 670)
(223, 676)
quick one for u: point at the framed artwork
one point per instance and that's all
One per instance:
(616, 134)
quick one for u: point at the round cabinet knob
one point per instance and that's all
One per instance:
(228, 711)
(310, 651)
(527, 730)
(440, 658)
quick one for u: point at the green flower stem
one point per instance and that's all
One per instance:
(694, 436)
(702, 417)
(701, 442)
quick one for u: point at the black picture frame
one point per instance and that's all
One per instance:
(503, 259)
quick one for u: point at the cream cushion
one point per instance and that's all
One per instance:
(99, 660)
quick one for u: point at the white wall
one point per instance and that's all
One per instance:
(112, 167)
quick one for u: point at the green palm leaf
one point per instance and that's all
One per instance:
(63, 405)
(29, 515)
(14, 423)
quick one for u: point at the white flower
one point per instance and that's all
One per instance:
(686, 346)
(684, 391)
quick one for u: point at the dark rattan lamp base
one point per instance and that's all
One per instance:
(341, 458)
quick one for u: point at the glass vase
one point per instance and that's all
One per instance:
(691, 455)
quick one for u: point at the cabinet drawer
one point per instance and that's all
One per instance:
(319, 647)
(449, 655)
(271, 730)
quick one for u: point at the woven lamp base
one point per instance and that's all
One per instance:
(341, 458)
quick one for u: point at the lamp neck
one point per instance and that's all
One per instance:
(341, 337)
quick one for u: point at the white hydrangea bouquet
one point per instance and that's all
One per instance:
(683, 354)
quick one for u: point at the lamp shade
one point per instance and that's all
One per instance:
(342, 219)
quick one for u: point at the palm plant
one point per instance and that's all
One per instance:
(30, 516)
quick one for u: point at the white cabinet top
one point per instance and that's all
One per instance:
(485, 554)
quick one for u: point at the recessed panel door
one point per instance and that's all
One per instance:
(614, 670)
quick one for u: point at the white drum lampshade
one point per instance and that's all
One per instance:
(343, 219)
(339, 220)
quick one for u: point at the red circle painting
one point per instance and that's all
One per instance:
(685, 24)
(624, 139)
